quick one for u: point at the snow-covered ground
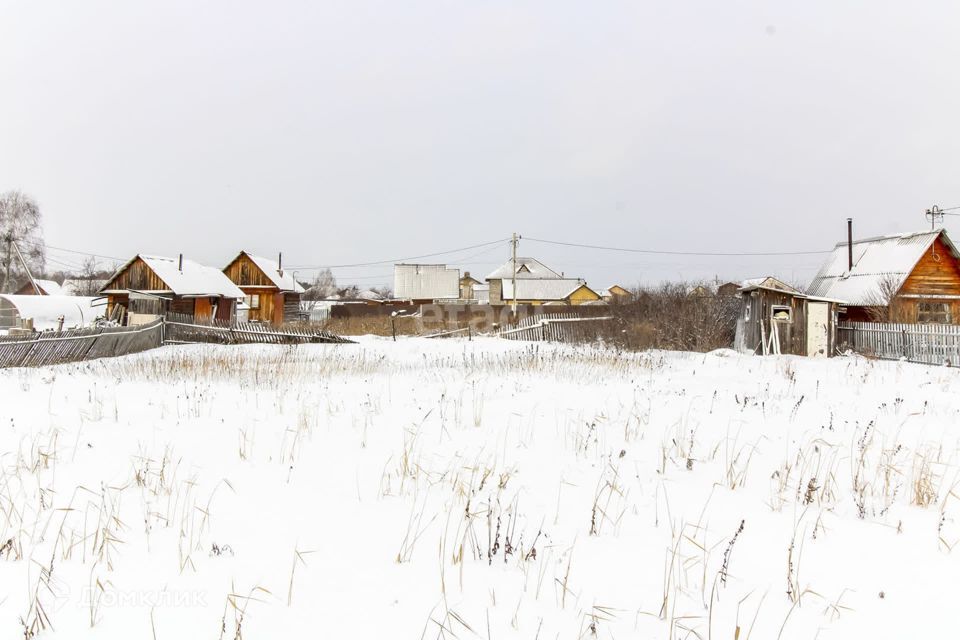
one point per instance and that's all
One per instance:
(489, 489)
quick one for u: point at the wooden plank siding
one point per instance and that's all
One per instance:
(757, 309)
(274, 306)
(936, 274)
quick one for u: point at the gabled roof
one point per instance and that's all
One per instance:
(877, 263)
(282, 280)
(768, 282)
(542, 289)
(195, 279)
(527, 268)
(47, 287)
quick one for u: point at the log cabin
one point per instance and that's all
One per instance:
(909, 277)
(149, 286)
(272, 294)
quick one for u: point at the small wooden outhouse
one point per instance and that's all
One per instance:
(777, 319)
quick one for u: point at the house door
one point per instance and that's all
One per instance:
(818, 323)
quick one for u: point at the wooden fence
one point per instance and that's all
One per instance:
(56, 347)
(185, 329)
(557, 327)
(924, 343)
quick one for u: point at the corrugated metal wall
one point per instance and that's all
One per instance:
(425, 281)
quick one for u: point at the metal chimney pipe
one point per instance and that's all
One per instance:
(180, 263)
(849, 244)
(280, 263)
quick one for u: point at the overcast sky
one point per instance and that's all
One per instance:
(359, 131)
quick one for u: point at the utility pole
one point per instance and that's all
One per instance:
(27, 270)
(513, 241)
(6, 276)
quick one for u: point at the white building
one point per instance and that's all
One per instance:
(425, 282)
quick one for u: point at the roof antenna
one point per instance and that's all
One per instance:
(935, 214)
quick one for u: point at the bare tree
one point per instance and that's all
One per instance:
(324, 285)
(883, 305)
(20, 228)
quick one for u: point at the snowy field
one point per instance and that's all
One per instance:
(485, 489)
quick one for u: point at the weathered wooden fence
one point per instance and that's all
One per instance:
(556, 327)
(923, 343)
(184, 329)
(55, 347)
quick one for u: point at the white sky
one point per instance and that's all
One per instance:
(355, 131)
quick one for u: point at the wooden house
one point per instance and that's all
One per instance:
(42, 288)
(553, 291)
(615, 293)
(910, 277)
(148, 286)
(467, 285)
(272, 294)
(728, 289)
(782, 320)
(536, 284)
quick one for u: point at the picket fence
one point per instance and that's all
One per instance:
(555, 327)
(185, 329)
(56, 347)
(923, 343)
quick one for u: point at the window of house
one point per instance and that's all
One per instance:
(746, 312)
(781, 313)
(933, 312)
(253, 301)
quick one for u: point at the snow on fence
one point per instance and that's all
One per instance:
(56, 347)
(558, 327)
(185, 329)
(922, 343)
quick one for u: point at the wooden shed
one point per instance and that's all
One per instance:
(272, 294)
(148, 286)
(775, 320)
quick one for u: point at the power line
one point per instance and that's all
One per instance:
(679, 253)
(394, 260)
(82, 253)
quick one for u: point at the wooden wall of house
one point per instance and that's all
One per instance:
(291, 307)
(243, 272)
(137, 276)
(265, 313)
(937, 273)
(583, 294)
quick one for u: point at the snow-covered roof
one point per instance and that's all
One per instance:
(195, 279)
(527, 268)
(281, 279)
(50, 287)
(369, 295)
(542, 289)
(47, 288)
(768, 282)
(878, 264)
(77, 311)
